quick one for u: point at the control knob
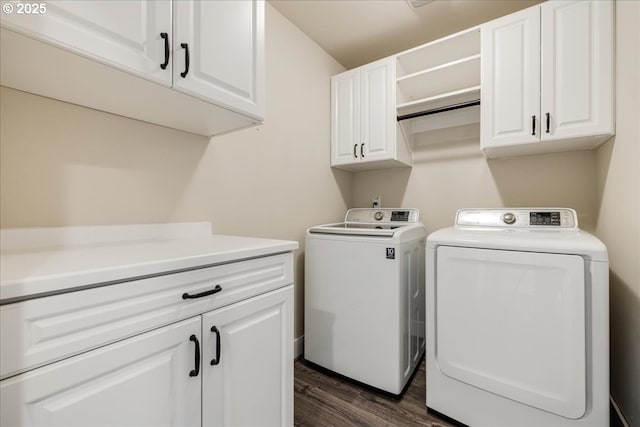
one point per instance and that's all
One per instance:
(509, 218)
(378, 216)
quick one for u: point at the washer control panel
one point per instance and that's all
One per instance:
(560, 218)
(386, 215)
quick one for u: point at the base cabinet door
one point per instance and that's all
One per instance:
(144, 380)
(247, 377)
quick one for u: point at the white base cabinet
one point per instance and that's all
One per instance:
(247, 369)
(547, 79)
(140, 381)
(230, 365)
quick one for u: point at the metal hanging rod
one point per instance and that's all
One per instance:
(439, 110)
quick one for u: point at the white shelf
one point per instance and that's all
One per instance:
(456, 75)
(439, 74)
(447, 49)
(440, 100)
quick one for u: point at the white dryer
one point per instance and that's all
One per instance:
(518, 320)
(364, 296)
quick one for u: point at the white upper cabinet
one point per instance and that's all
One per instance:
(225, 44)
(345, 117)
(547, 79)
(364, 130)
(123, 34)
(577, 69)
(210, 53)
(511, 79)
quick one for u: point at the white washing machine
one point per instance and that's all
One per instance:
(364, 296)
(518, 320)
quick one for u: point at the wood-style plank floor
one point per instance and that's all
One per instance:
(323, 399)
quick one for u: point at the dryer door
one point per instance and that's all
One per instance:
(513, 323)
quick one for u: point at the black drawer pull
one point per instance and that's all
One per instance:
(355, 154)
(533, 125)
(165, 36)
(216, 360)
(186, 59)
(548, 122)
(196, 371)
(215, 290)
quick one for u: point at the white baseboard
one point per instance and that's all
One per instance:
(298, 347)
(621, 417)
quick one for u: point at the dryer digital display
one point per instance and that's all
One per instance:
(544, 218)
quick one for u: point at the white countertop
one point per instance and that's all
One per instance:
(29, 271)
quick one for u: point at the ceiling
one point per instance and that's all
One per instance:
(356, 32)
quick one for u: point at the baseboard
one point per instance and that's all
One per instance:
(298, 347)
(617, 418)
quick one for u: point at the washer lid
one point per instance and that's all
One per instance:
(357, 229)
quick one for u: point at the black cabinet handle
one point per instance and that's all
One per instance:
(165, 36)
(196, 371)
(548, 121)
(355, 147)
(185, 46)
(533, 125)
(216, 360)
(362, 150)
(215, 290)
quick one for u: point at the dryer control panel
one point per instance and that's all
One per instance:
(560, 218)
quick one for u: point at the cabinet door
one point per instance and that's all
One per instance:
(123, 34)
(378, 114)
(510, 75)
(577, 68)
(251, 380)
(345, 118)
(225, 45)
(140, 381)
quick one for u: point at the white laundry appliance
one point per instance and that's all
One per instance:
(518, 320)
(364, 296)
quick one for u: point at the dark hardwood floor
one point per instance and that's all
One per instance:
(325, 399)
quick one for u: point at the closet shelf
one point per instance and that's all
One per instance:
(443, 79)
(459, 45)
(439, 101)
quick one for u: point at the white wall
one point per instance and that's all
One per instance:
(62, 164)
(618, 225)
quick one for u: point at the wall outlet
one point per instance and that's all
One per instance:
(377, 202)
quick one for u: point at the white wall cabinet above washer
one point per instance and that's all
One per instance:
(547, 79)
(364, 130)
(220, 65)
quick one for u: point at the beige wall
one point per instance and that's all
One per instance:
(618, 226)
(67, 165)
(450, 176)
